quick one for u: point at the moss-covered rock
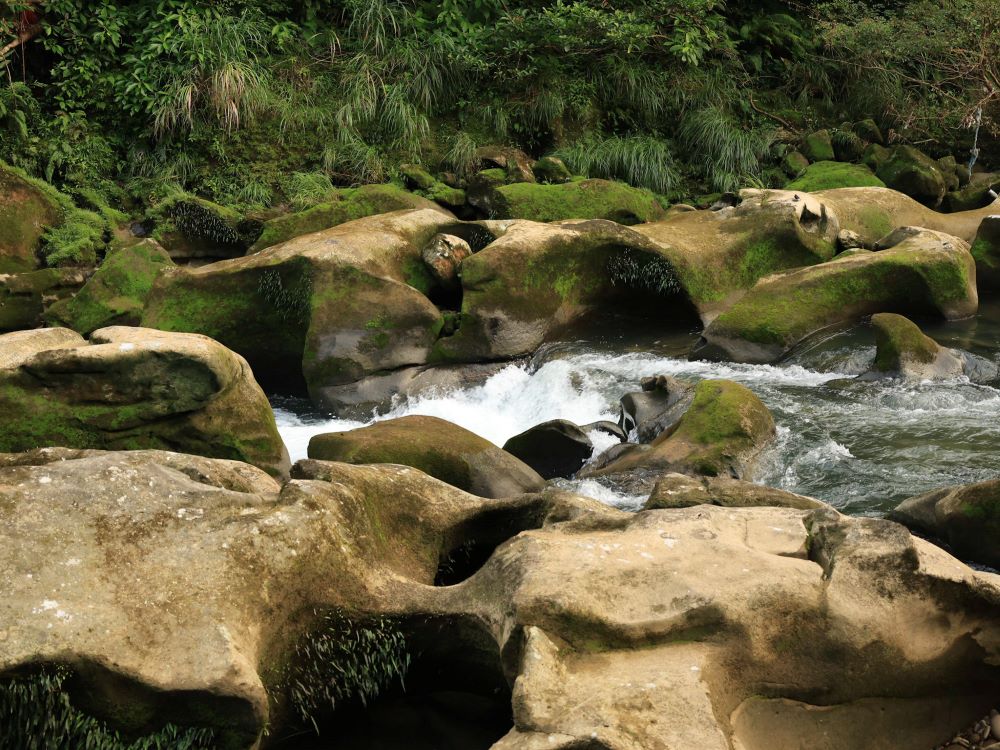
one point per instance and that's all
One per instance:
(909, 170)
(326, 308)
(928, 272)
(903, 351)
(986, 251)
(875, 212)
(848, 146)
(966, 517)
(116, 293)
(515, 163)
(25, 297)
(346, 205)
(720, 434)
(949, 169)
(869, 131)
(134, 388)
(536, 278)
(874, 156)
(416, 177)
(586, 199)
(818, 146)
(794, 163)
(973, 196)
(826, 175)
(436, 447)
(551, 170)
(189, 227)
(717, 255)
(38, 223)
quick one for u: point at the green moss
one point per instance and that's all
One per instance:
(589, 199)
(818, 146)
(899, 339)
(347, 205)
(116, 293)
(826, 175)
(875, 221)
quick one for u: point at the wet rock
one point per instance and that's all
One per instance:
(444, 256)
(928, 272)
(903, 351)
(966, 517)
(656, 409)
(134, 388)
(608, 428)
(556, 448)
(442, 449)
(986, 251)
(720, 434)
(682, 491)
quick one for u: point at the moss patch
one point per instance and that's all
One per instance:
(587, 199)
(898, 340)
(826, 175)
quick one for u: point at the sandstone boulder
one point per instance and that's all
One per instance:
(28, 208)
(903, 351)
(116, 293)
(134, 388)
(682, 491)
(966, 517)
(928, 272)
(720, 434)
(656, 408)
(438, 447)
(179, 590)
(25, 298)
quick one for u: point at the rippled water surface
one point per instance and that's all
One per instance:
(861, 446)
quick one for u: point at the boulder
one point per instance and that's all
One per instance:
(116, 293)
(515, 163)
(682, 491)
(416, 177)
(848, 146)
(192, 228)
(582, 199)
(949, 170)
(443, 257)
(818, 146)
(826, 175)
(608, 428)
(344, 205)
(875, 212)
(551, 170)
(134, 388)
(850, 240)
(928, 273)
(718, 254)
(177, 589)
(26, 297)
(438, 447)
(556, 448)
(912, 172)
(974, 196)
(869, 131)
(29, 208)
(720, 434)
(903, 351)
(656, 408)
(986, 251)
(874, 156)
(794, 163)
(321, 310)
(966, 518)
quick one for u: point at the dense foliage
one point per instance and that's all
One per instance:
(233, 99)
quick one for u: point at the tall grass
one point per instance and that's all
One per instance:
(727, 152)
(640, 160)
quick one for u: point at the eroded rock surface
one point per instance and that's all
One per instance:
(180, 588)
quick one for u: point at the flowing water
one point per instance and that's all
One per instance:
(861, 446)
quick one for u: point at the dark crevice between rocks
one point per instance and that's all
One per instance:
(443, 688)
(470, 545)
(476, 235)
(88, 706)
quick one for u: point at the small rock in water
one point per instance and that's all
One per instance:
(554, 449)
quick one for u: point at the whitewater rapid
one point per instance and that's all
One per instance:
(860, 446)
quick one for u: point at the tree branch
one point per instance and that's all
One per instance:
(24, 36)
